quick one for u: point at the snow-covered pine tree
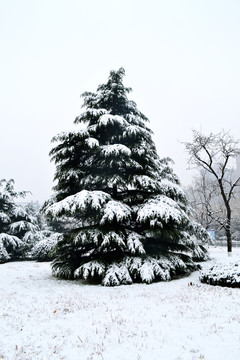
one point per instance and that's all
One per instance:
(17, 225)
(125, 215)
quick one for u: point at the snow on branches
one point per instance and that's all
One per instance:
(126, 218)
(80, 201)
(115, 150)
(113, 120)
(159, 210)
(115, 210)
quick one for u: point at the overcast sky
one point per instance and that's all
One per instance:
(182, 60)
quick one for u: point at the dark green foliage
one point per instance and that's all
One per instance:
(16, 223)
(124, 215)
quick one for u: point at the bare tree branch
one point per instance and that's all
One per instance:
(213, 154)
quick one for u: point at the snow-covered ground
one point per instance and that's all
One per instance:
(42, 317)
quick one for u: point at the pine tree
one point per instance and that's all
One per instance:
(125, 216)
(17, 225)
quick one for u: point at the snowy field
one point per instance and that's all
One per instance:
(50, 319)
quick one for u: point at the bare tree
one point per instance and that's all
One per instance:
(214, 153)
(203, 195)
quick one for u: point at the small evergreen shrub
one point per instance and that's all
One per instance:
(223, 274)
(44, 250)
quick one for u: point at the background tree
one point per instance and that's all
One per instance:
(209, 210)
(24, 233)
(16, 223)
(124, 214)
(203, 195)
(214, 154)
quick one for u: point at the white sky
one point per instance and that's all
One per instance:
(182, 60)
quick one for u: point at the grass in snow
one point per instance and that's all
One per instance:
(46, 318)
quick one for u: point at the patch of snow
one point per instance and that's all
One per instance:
(115, 210)
(107, 119)
(115, 150)
(180, 320)
(92, 142)
(161, 208)
(78, 201)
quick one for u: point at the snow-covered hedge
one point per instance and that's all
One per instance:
(43, 250)
(224, 273)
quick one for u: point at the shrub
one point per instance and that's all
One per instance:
(223, 274)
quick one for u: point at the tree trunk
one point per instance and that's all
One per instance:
(229, 234)
(229, 214)
(115, 191)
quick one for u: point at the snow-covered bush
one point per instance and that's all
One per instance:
(124, 214)
(223, 273)
(44, 249)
